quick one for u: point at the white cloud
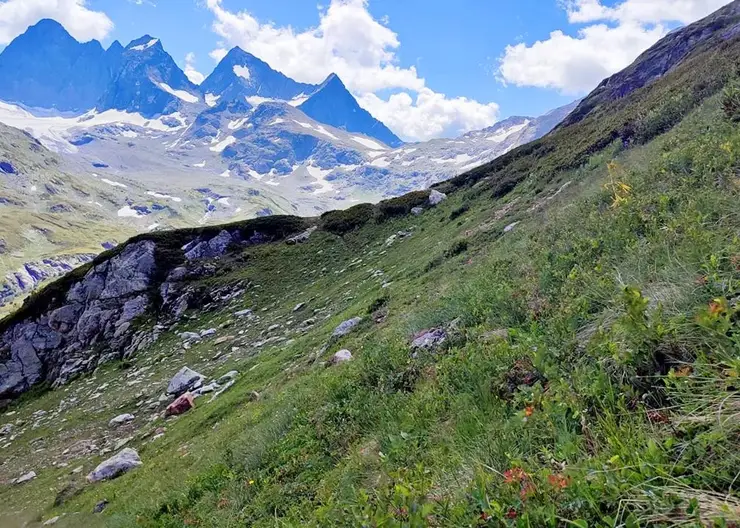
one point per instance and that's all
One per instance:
(82, 23)
(348, 41)
(430, 115)
(194, 75)
(576, 64)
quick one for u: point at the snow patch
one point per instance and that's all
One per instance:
(298, 100)
(237, 123)
(200, 165)
(369, 143)
(322, 130)
(180, 94)
(381, 162)
(129, 134)
(226, 174)
(127, 212)
(220, 147)
(503, 134)
(212, 100)
(277, 121)
(242, 71)
(142, 47)
(164, 196)
(113, 183)
(320, 174)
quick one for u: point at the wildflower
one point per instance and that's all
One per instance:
(251, 482)
(511, 514)
(683, 372)
(658, 417)
(527, 489)
(715, 308)
(528, 411)
(514, 475)
(558, 481)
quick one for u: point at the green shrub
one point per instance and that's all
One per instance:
(457, 247)
(401, 206)
(731, 101)
(342, 222)
(459, 211)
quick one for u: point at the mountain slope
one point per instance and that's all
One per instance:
(148, 82)
(332, 104)
(241, 74)
(45, 67)
(555, 346)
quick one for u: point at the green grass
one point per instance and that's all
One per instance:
(591, 376)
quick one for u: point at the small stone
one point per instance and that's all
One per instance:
(122, 443)
(190, 336)
(273, 328)
(510, 227)
(416, 211)
(254, 396)
(121, 419)
(51, 521)
(299, 307)
(341, 357)
(181, 405)
(208, 332)
(25, 478)
(231, 375)
(222, 340)
(99, 507)
(77, 470)
(115, 466)
(6, 429)
(243, 313)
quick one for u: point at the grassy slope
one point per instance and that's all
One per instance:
(612, 401)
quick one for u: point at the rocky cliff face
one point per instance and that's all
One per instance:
(32, 274)
(75, 327)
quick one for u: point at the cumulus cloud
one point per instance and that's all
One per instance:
(612, 39)
(82, 23)
(350, 42)
(430, 114)
(194, 75)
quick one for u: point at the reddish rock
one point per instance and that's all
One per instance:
(180, 406)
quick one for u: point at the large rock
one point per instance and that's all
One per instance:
(181, 405)
(214, 247)
(185, 380)
(346, 327)
(27, 477)
(115, 466)
(121, 419)
(429, 340)
(436, 197)
(340, 357)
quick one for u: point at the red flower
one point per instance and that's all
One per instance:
(511, 514)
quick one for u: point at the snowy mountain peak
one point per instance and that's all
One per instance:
(144, 43)
(240, 74)
(334, 105)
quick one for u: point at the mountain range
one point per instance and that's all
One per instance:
(138, 147)
(547, 339)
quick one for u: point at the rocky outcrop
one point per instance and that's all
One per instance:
(32, 274)
(78, 324)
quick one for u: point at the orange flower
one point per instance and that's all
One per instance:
(716, 308)
(514, 475)
(528, 411)
(558, 481)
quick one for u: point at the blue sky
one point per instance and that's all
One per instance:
(427, 68)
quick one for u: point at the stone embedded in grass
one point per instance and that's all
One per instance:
(510, 227)
(183, 381)
(416, 211)
(231, 375)
(244, 313)
(27, 477)
(340, 357)
(429, 340)
(180, 406)
(121, 419)
(190, 336)
(208, 332)
(51, 521)
(436, 197)
(346, 327)
(115, 466)
(6, 429)
(100, 506)
(299, 307)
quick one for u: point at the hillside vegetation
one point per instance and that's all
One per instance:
(587, 288)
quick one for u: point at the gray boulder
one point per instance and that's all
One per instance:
(346, 327)
(121, 419)
(185, 380)
(429, 340)
(436, 197)
(212, 248)
(115, 466)
(416, 211)
(340, 357)
(27, 477)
